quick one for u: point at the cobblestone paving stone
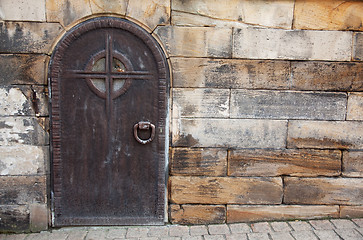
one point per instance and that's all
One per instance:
(334, 229)
(262, 227)
(280, 227)
(358, 221)
(322, 224)
(281, 236)
(326, 235)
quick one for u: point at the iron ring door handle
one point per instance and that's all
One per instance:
(144, 126)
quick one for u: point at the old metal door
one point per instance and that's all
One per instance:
(108, 81)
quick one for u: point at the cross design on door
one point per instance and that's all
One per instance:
(109, 74)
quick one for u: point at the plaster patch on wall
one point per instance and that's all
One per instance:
(22, 130)
(14, 103)
(22, 160)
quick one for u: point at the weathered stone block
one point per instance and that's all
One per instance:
(23, 160)
(22, 189)
(194, 20)
(266, 13)
(328, 15)
(239, 133)
(106, 6)
(243, 213)
(22, 69)
(67, 11)
(14, 218)
(22, 130)
(328, 76)
(38, 217)
(14, 102)
(347, 191)
(150, 13)
(288, 105)
(198, 161)
(284, 162)
(225, 190)
(11, 10)
(258, 43)
(230, 73)
(358, 46)
(197, 214)
(276, 14)
(24, 101)
(196, 41)
(231, 10)
(351, 211)
(352, 164)
(325, 134)
(27, 37)
(200, 103)
(38, 96)
(355, 106)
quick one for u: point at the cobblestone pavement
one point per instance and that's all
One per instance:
(290, 230)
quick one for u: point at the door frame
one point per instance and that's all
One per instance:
(164, 90)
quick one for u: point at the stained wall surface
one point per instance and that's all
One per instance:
(266, 113)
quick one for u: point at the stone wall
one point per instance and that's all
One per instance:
(266, 114)
(267, 110)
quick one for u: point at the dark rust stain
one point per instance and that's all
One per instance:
(186, 140)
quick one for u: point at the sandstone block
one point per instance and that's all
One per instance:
(248, 213)
(22, 69)
(358, 46)
(325, 134)
(277, 14)
(351, 211)
(347, 191)
(105, 6)
(27, 37)
(22, 130)
(288, 105)
(150, 13)
(195, 20)
(196, 41)
(38, 217)
(355, 106)
(198, 162)
(14, 218)
(230, 73)
(328, 15)
(290, 162)
(239, 133)
(22, 189)
(21, 10)
(258, 43)
(224, 190)
(192, 102)
(353, 164)
(23, 160)
(14, 102)
(231, 10)
(328, 76)
(197, 214)
(67, 11)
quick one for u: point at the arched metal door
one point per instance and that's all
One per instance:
(108, 81)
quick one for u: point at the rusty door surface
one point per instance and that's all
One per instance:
(108, 81)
